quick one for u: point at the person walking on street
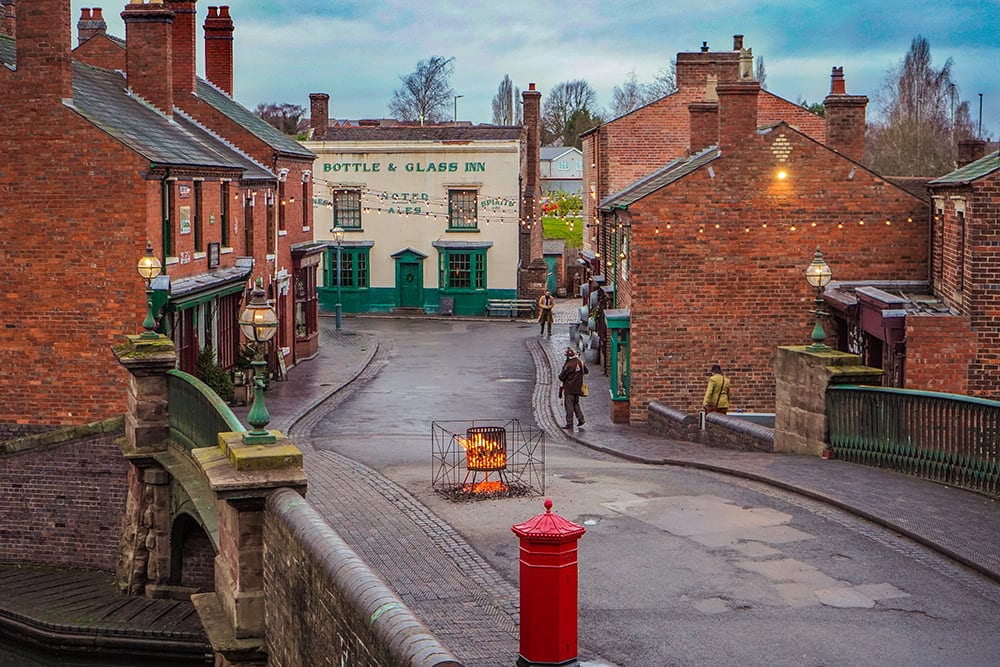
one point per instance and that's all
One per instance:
(572, 387)
(545, 305)
(717, 393)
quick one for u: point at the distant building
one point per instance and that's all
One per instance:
(432, 214)
(562, 169)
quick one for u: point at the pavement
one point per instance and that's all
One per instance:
(960, 524)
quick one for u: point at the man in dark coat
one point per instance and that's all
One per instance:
(571, 389)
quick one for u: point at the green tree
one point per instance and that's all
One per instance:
(920, 117)
(426, 93)
(579, 122)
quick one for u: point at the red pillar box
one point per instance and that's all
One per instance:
(548, 589)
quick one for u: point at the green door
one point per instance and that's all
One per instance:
(552, 263)
(410, 284)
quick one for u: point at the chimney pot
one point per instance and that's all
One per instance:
(224, 12)
(737, 42)
(213, 12)
(837, 84)
(85, 13)
(704, 47)
(531, 86)
(97, 14)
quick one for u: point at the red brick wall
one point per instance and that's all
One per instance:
(63, 504)
(69, 251)
(219, 48)
(149, 52)
(101, 51)
(725, 284)
(939, 352)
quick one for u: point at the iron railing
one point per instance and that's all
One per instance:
(197, 414)
(941, 437)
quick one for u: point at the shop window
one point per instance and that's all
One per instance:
(462, 209)
(463, 270)
(347, 209)
(306, 322)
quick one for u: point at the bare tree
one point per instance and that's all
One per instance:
(920, 117)
(506, 107)
(663, 84)
(760, 72)
(426, 93)
(563, 101)
(628, 97)
(284, 117)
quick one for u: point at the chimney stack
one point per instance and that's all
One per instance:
(7, 18)
(319, 115)
(531, 237)
(845, 118)
(91, 24)
(737, 42)
(43, 46)
(219, 48)
(148, 51)
(184, 41)
(738, 104)
(970, 150)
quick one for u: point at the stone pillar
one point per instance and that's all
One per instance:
(144, 554)
(802, 377)
(242, 477)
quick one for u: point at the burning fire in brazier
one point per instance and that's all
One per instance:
(485, 451)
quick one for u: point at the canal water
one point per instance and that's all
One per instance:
(14, 653)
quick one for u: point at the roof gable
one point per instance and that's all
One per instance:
(660, 178)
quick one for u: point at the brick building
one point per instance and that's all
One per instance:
(115, 144)
(964, 261)
(705, 256)
(632, 146)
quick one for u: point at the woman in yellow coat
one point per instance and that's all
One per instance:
(717, 393)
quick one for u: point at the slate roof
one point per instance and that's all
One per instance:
(8, 50)
(553, 152)
(251, 121)
(100, 96)
(982, 167)
(423, 133)
(658, 179)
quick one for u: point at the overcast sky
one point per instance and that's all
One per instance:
(356, 50)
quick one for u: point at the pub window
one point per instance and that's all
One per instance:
(224, 213)
(347, 209)
(306, 322)
(462, 209)
(306, 205)
(462, 270)
(353, 268)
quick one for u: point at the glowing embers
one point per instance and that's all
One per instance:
(493, 459)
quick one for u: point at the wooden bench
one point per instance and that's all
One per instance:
(510, 307)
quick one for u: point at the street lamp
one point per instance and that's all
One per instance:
(149, 267)
(259, 323)
(818, 274)
(455, 119)
(338, 237)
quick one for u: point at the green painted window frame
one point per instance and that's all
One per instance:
(462, 270)
(463, 209)
(347, 208)
(355, 272)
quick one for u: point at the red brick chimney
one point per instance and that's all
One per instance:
(148, 30)
(531, 209)
(738, 104)
(319, 114)
(184, 40)
(704, 125)
(970, 150)
(845, 118)
(692, 69)
(91, 24)
(7, 19)
(43, 49)
(219, 48)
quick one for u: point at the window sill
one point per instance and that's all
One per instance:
(225, 251)
(463, 230)
(305, 229)
(282, 232)
(200, 254)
